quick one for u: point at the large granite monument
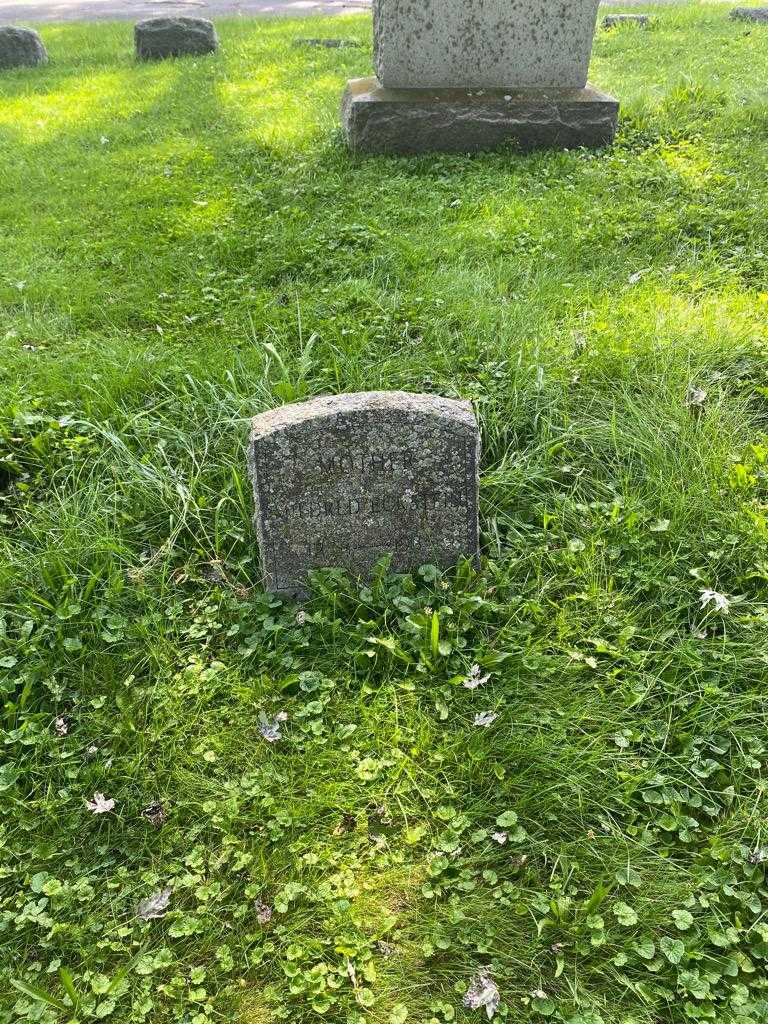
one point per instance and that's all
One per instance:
(342, 481)
(466, 75)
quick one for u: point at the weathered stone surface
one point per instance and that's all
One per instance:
(750, 13)
(328, 44)
(343, 480)
(466, 44)
(615, 20)
(20, 48)
(157, 38)
(379, 120)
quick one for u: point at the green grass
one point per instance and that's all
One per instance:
(162, 225)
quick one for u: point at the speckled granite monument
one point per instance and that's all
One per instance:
(466, 75)
(344, 480)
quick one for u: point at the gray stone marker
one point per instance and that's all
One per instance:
(20, 48)
(467, 75)
(750, 13)
(157, 38)
(616, 20)
(328, 44)
(341, 481)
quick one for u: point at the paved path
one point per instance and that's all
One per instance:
(18, 11)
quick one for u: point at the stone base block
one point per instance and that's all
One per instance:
(379, 120)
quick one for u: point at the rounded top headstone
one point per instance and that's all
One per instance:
(343, 480)
(20, 48)
(174, 36)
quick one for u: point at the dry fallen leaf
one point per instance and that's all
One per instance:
(483, 992)
(719, 601)
(154, 813)
(474, 679)
(485, 718)
(347, 823)
(100, 804)
(381, 812)
(154, 907)
(695, 397)
(351, 974)
(263, 912)
(638, 275)
(270, 730)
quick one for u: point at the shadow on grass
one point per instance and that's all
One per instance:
(198, 194)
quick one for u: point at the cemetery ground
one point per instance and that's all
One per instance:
(549, 773)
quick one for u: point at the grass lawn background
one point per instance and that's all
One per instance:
(185, 244)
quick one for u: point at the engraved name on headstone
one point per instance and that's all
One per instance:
(341, 481)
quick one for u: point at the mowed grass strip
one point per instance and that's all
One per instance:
(187, 243)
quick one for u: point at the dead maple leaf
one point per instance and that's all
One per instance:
(100, 804)
(474, 679)
(263, 912)
(154, 813)
(154, 907)
(483, 993)
(484, 719)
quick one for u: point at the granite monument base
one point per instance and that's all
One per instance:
(380, 120)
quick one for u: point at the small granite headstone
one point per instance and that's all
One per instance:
(469, 75)
(157, 38)
(750, 13)
(615, 20)
(20, 48)
(342, 481)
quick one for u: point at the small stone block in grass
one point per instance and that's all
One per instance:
(20, 48)
(750, 13)
(616, 20)
(157, 38)
(328, 44)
